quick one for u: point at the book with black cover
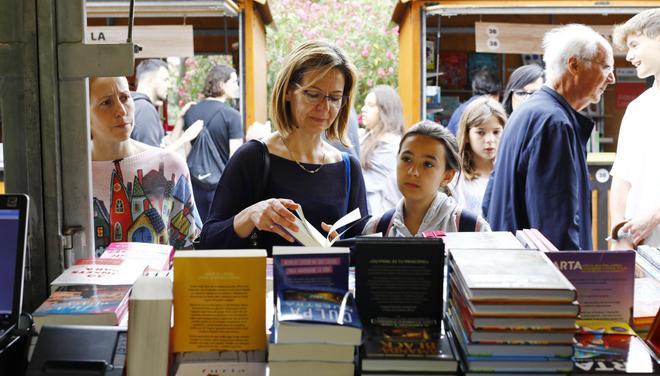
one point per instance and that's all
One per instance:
(399, 288)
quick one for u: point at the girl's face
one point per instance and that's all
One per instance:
(111, 109)
(370, 113)
(314, 108)
(422, 168)
(485, 138)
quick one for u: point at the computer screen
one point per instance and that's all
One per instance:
(9, 242)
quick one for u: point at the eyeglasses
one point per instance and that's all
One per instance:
(314, 97)
(606, 68)
(522, 93)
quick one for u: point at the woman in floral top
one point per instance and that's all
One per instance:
(141, 193)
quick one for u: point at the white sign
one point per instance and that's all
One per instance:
(156, 41)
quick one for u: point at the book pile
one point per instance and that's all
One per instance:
(316, 326)
(91, 292)
(399, 301)
(510, 311)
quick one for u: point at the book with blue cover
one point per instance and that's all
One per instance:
(310, 267)
(317, 315)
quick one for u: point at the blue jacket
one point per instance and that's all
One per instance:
(541, 179)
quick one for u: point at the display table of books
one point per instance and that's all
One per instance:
(376, 310)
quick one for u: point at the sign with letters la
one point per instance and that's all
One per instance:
(156, 41)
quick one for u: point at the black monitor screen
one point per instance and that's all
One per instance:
(9, 232)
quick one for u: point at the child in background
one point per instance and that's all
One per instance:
(479, 133)
(427, 161)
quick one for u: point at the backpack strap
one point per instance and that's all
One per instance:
(347, 169)
(467, 221)
(385, 222)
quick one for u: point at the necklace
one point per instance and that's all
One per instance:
(300, 164)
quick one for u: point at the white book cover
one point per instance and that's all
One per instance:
(158, 256)
(482, 240)
(309, 236)
(98, 271)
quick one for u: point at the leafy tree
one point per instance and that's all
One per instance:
(361, 28)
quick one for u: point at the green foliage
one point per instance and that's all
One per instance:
(361, 28)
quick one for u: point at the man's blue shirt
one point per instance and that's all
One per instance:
(541, 179)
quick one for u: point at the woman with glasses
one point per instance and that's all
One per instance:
(523, 82)
(293, 167)
(382, 117)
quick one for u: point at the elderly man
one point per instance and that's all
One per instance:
(153, 81)
(636, 179)
(541, 178)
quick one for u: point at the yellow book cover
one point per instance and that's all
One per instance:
(219, 300)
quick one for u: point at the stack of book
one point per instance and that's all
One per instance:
(316, 325)
(91, 292)
(510, 311)
(315, 332)
(399, 301)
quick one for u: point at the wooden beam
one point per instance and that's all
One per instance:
(514, 38)
(255, 69)
(410, 74)
(156, 41)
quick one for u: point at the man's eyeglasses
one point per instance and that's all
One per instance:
(606, 68)
(522, 93)
(314, 97)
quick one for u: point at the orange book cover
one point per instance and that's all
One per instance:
(219, 300)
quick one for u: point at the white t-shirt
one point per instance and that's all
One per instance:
(470, 193)
(380, 178)
(637, 157)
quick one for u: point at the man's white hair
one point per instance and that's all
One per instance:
(561, 43)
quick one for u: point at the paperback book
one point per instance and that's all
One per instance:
(509, 276)
(83, 305)
(97, 271)
(407, 345)
(481, 240)
(607, 354)
(220, 300)
(317, 315)
(157, 256)
(309, 236)
(307, 267)
(399, 300)
(604, 280)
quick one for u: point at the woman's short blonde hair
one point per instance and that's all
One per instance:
(322, 57)
(476, 113)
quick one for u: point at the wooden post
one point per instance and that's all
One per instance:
(410, 85)
(255, 69)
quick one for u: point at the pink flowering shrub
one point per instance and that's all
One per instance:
(361, 28)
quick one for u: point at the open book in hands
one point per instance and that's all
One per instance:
(309, 236)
